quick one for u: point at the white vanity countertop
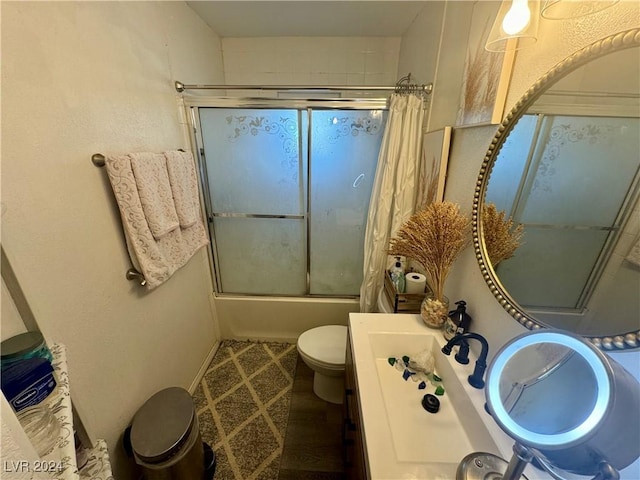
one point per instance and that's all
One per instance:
(380, 452)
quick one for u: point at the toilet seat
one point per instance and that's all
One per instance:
(325, 345)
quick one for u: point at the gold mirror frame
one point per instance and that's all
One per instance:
(612, 43)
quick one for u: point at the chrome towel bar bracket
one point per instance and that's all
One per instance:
(98, 159)
(133, 274)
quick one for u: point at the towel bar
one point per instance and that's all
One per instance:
(98, 159)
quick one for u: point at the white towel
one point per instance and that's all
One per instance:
(156, 259)
(184, 186)
(152, 181)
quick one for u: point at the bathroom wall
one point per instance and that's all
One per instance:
(80, 78)
(12, 324)
(311, 60)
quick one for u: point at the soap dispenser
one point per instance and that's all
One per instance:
(458, 321)
(397, 276)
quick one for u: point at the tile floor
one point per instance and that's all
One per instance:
(257, 410)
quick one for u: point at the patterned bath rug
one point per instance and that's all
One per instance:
(243, 407)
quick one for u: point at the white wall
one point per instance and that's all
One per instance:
(80, 78)
(311, 60)
(10, 322)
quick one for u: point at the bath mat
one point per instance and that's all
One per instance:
(243, 406)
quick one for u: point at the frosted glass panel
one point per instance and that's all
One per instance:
(344, 154)
(551, 267)
(247, 148)
(509, 167)
(261, 256)
(582, 155)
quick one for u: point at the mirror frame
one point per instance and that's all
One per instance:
(618, 41)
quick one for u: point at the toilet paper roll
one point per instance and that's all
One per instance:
(415, 282)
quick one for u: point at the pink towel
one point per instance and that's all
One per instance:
(152, 180)
(157, 259)
(184, 186)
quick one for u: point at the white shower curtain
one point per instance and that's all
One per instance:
(394, 191)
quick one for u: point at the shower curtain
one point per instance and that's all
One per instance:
(394, 191)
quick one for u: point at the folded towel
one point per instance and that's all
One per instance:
(184, 186)
(156, 259)
(152, 181)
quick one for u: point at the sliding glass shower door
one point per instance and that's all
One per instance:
(288, 195)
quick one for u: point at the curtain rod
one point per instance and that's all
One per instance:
(414, 88)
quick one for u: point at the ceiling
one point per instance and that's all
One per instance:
(308, 17)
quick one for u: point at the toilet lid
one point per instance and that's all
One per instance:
(327, 344)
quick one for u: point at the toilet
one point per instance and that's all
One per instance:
(323, 350)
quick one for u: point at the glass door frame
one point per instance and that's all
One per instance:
(192, 104)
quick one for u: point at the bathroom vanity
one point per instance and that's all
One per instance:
(387, 433)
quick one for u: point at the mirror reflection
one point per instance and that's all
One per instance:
(569, 174)
(548, 389)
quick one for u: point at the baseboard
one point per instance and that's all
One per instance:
(203, 367)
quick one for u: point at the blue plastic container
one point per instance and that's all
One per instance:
(23, 346)
(27, 382)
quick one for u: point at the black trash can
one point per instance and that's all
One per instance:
(165, 437)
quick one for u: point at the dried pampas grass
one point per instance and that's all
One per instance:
(433, 237)
(501, 238)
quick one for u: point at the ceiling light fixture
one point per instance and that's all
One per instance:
(515, 26)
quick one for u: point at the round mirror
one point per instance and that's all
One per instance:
(560, 396)
(557, 199)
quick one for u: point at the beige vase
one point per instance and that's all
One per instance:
(434, 312)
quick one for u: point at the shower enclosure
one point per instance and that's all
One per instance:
(287, 186)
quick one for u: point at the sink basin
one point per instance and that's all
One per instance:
(418, 436)
(402, 439)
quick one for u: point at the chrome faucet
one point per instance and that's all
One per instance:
(475, 379)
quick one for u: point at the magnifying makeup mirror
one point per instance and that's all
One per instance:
(571, 409)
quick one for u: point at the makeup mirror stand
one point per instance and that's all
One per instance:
(487, 466)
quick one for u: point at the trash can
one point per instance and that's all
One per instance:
(165, 437)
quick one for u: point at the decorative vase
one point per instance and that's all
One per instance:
(434, 312)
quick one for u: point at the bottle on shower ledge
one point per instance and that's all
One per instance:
(397, 276)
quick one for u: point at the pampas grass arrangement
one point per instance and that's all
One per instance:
(433, 237)
(501, 238)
